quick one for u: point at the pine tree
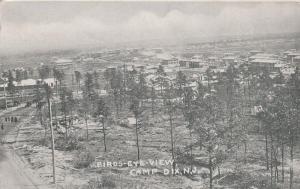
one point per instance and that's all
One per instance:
(102, 112)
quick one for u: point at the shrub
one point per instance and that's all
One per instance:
(44, 141)
(69, 144)
(84, 159)
(106, 182)
(94, 184)
(68, 186)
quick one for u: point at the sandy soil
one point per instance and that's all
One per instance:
(154, 142)
(14, 172)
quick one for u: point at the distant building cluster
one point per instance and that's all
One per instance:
(203, 65)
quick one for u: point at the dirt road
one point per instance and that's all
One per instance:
(14, 174)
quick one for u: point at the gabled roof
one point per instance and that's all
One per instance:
(26, 82)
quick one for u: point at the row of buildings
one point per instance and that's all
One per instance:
(195, 66)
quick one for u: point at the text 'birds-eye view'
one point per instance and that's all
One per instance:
(149, 95)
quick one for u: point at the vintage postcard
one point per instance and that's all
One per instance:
(149, 95)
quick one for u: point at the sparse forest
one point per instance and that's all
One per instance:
(242, 131)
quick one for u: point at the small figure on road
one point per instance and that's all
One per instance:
(2, 126)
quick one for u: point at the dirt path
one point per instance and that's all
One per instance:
(14, 173)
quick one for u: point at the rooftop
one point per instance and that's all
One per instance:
(62, 61)
(294, 54)
(164, 56)
(212, 58)
(262, 60)
(263, 56)
(255, 51)
(229, 58)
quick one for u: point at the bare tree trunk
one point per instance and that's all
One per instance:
(152, 100)
(45, 132)
(86, 126)
(55, 114)
(191, 148)
(56, 87)
(72, 80)
(60, 87)
(137, 138)
(79, 85)
(292, 160)
(66, 125)
(236, 153)
(191, 136)
(104, 135)
(267, 151)
(52, 138)
(208, 83)
(152, 107)
(210, 173)
(172, 139)
(245, 151)
(117, 106)
(282, 161)
(249, 92)
(276, 165)
(42, 123)
(271, 159)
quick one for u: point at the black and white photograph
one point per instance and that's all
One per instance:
(149, 94)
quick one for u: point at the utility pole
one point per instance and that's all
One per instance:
(47, 90)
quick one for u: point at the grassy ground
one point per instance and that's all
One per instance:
(154, 137)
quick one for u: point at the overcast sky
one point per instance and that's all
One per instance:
(30, 26)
